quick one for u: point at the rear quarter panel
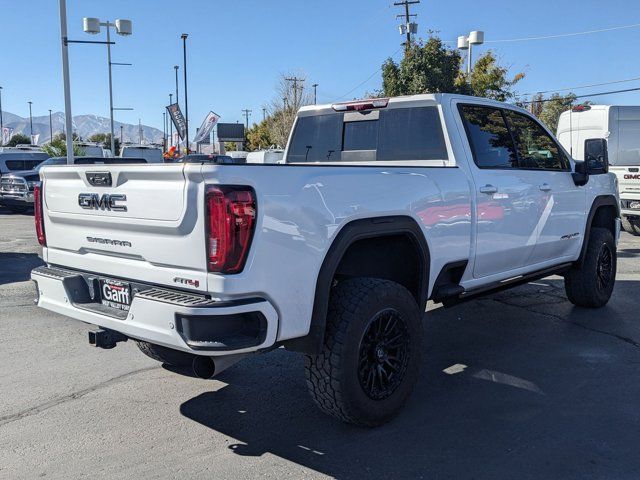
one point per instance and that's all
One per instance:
(301, 209)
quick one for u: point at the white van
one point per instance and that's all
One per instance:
(620, 127)
(266, 156)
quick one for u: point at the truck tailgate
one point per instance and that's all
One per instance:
(139, 222)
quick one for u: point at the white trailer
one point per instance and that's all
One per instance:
(620, 127)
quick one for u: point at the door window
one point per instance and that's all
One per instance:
(536, 149)
(489, 137)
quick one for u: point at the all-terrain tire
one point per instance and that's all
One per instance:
(630, 226)
(591, 283)
(165, 355)
(355, 347)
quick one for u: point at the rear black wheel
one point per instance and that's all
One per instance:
(371, 354)
(590, 284)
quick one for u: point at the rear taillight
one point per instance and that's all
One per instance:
(231, 218)
(38, 198)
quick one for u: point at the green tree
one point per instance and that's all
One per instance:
(433, 67)
(428, 66)
(105, 140)
(553, 107)
(19, 139)
(489, 79)
(259, 136)
(58, 148)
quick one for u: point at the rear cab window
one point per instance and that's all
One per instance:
(388, 135)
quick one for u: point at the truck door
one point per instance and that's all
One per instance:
(561, 203)
(508, 206)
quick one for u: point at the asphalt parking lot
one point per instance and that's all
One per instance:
(517, 385)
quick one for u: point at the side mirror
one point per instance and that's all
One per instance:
(596, 158)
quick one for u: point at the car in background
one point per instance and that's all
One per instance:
(17, 159)
(16, 188)
(150, 153)
(239, 155)
(93, 149)
(203, 158)
(272, 155)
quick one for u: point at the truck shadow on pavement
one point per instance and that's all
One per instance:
(517, 385)
(16, 267)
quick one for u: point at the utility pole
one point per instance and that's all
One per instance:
(247, 113)
(121, 138)
(315, 93)
(50, 126)
(295, 81)
(409, 27)
(264, 114)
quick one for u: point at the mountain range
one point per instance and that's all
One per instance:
(83, 125)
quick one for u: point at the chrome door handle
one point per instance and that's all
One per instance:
(489, 189)
(545, 187)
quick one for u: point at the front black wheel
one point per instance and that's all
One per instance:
(591, 283)
(371, 354)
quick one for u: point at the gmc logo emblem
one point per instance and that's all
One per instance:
(93, 201)
(632, 177)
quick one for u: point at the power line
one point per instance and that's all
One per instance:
(598, 94)
(585, 86)
(559, 35)
(368, 78)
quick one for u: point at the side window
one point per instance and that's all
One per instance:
(489, 137)
(536, 149)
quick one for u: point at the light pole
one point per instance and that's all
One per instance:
(124, 28)
(176, 67)
(170, 121)
(65, 78)
(186, 101)
(1, 124)
(50, 127)
(30, 121)
(121, 138)
(164, 131)
(315, 93)
(466, 42)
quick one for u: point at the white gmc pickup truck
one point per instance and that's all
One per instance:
(380, 206)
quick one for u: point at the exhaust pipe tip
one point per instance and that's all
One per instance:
(203, 367)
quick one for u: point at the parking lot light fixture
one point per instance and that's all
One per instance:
(466, 42)
(123, 27)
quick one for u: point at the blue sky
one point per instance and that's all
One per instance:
(238, 48)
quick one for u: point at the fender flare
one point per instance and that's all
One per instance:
(350, 233)
(599, 201)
